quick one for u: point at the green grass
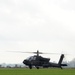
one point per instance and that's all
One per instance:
(23, 71)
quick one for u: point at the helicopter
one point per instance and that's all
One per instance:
(39, 61)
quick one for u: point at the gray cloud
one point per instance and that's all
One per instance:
(66, 4)
(31, 24)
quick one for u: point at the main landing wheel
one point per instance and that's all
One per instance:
(30, 66)
(37, 67)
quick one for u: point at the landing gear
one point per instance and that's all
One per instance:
(61, 67)
(30, 66)
(37, 67)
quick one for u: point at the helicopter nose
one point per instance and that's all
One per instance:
(25, 61)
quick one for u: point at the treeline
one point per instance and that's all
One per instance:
(71, 64)
(11, 65)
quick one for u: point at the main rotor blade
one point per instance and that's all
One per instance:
(32, 52)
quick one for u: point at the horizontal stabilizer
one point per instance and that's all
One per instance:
(63, 64)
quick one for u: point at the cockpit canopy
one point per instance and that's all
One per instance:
(31, 58)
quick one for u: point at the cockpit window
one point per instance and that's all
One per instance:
(31, 58)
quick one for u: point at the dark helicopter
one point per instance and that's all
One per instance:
(39, 61)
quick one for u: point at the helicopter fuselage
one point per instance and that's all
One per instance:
(36, 61)
(39, 61)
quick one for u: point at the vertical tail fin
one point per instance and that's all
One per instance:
(61, 59)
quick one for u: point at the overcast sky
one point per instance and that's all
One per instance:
(31, 25)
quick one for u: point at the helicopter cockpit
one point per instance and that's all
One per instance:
(31, 58)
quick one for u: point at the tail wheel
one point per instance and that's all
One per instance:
(61, 67)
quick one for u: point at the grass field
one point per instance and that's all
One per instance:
(23, 71)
